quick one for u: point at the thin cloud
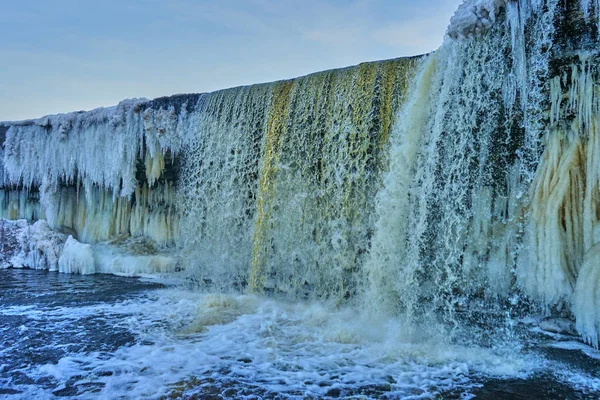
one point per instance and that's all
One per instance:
(72, 55)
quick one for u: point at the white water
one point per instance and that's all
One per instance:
(245, 342)
(455, 197)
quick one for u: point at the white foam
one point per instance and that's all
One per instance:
(283, 347)
(580, 381)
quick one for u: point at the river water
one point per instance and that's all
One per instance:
(104, 336)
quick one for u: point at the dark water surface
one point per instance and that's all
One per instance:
(102, 336)
(35, 328)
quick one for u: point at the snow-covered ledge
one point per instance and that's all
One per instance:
(26, 245)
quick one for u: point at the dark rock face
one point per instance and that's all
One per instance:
(573, 31)
(575, 36)
(3, 130)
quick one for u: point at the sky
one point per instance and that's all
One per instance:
(66, 55)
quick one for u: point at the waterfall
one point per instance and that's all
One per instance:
(450, 187)
(465, 150)
(285, 175)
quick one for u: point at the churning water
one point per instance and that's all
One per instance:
(104, 336)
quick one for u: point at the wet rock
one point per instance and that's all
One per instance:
(334, 392)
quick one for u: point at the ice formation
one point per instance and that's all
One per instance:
(586, 301)
(83, 171)
(77, 257)
(458, 183)
(15, 204)
(473, 17)
(38, 246)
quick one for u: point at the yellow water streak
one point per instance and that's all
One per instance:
(274, 136)
(324, 148)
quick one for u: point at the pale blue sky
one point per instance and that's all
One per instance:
(65, 55)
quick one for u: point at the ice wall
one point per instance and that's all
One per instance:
(99, 173)
(27, 245)
(77, 257)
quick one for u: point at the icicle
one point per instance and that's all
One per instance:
(555, 230)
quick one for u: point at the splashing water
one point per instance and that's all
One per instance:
(109, 337)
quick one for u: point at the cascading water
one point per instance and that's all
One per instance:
(464, 153)
(441, 194)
